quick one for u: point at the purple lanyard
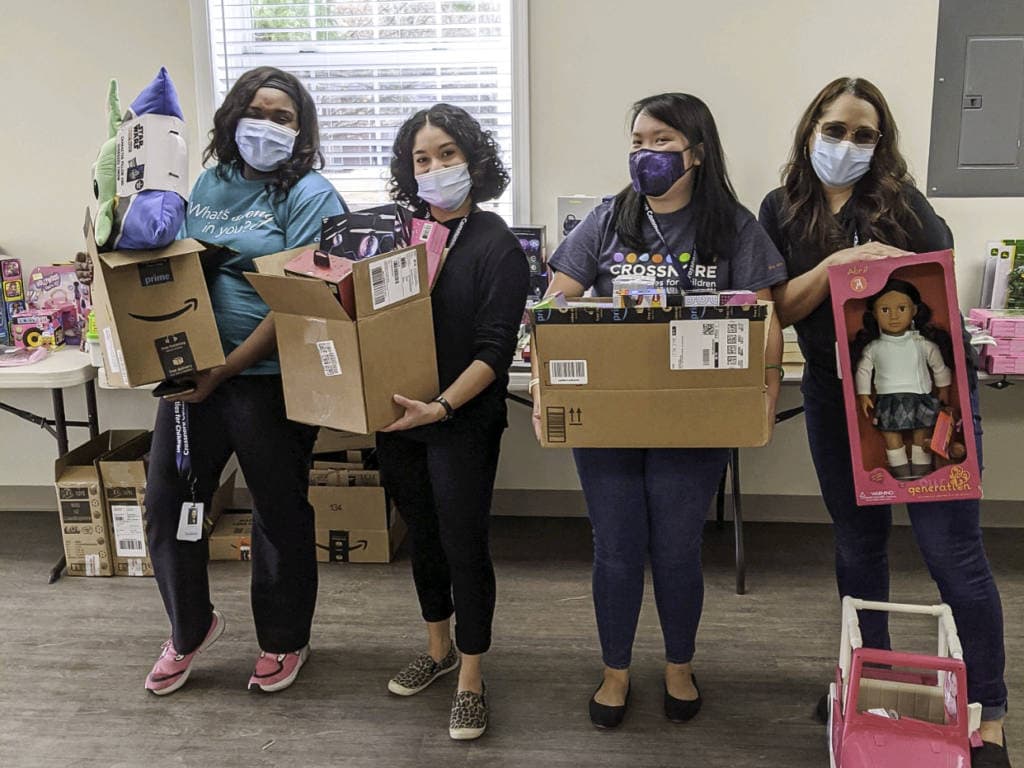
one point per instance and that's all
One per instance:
(182, 448)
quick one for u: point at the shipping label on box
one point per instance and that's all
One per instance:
(151, 153)
(85, 526)
(342, 366)
(153, 313)
(851, 285)
(618, 378)
(123, 475)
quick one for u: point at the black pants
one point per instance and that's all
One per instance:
(244, 416)
(442, 479)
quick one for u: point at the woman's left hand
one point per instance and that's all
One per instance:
(417, 414)
(205, 384)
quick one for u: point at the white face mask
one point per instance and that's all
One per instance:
(840, 164)
(445, 188)
(263, 144)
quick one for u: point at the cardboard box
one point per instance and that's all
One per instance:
(232, 537)
(344, 477)
(333, 441)
(342, 371)
(355, 525)
(850, 285)
(1000, 323)
(1006, 365)
(84, 525)
(123, 475)
(639, 378)
(153, 312)
(151, 153)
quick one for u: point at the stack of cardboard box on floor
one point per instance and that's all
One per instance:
(792, 357)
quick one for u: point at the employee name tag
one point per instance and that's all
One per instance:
(190, 524)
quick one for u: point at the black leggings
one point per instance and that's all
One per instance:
(442, 479)
(244, 416)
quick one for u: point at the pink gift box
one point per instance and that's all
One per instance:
(1002, 323)
(1005, 364)
(934, 277)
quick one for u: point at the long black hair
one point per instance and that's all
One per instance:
(922, 322)
(879, 203)
(714, 199)
(483, 155)
(306, 155)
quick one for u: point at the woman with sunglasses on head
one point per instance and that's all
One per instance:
(679, 222)
(438, 461)
(847, 197)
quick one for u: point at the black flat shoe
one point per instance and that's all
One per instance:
(990, 755)
(605, 717)
(821, 711)
(681, 710)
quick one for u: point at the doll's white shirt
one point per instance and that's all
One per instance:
(900, 365)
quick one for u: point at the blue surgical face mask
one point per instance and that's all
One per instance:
(445, 188)
(263, 144)
(840, 164)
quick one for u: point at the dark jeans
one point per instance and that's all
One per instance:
(244, 416)
(648, 502)
(947, 533)
(442, 480)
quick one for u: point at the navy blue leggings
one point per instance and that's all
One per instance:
(648, 502)
(947, 533)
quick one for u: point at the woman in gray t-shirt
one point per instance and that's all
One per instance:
(680, 223)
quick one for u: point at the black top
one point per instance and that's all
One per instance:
(816, 332)
(478, 304)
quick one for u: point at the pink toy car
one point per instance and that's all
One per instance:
(906, 710)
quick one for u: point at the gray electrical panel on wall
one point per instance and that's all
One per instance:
(978, 102)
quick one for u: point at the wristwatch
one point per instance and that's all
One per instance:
(449, 412)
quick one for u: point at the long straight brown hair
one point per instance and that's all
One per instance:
(879, 199)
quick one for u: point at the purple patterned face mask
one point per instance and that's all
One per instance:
(653, 173)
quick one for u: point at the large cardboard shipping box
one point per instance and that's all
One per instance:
(83, 519)
(123, 474)
(153, 313)
(679, 377)
(355, 525)
(850, 285)
(340, 370)
(228, 528)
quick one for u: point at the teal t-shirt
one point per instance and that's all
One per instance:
(244, 216)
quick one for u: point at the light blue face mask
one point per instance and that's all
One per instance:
(264, 145)
(840, 163)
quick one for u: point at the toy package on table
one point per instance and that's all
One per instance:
(904, 371)
(39, 328)
(56, 286)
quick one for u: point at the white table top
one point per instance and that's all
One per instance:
(65, 368)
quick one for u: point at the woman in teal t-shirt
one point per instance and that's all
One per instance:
(261, 197)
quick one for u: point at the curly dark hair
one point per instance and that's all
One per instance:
(879, 199)
(922, 322)
(483, 155)
(305, 157)
(714, 198)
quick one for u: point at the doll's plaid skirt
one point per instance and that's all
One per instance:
(895, 413)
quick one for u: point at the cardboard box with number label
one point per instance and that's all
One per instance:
(341, 370)
(153, 313)
(85, 526)
(680, 377)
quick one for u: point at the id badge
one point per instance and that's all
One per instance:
(190, 524)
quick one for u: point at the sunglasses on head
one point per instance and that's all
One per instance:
(836, 132)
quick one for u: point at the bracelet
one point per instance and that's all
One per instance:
(449, 412)
(533, 383)
(777, 366)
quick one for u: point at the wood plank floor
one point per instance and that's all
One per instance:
(75, 655)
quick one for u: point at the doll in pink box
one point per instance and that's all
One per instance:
(909, 360)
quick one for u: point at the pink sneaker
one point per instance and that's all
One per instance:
(172, 668)
(276, 671)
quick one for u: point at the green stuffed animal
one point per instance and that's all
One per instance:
(104, 182)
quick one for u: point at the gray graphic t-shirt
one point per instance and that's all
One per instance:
(593, 255)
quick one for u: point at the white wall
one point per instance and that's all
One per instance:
(757, 64)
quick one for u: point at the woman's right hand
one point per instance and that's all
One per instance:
(83, 268)
(867, 252)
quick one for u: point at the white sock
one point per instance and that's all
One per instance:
(918, 456)
(897, 457)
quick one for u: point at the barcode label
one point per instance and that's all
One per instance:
(567, 371)
(394, 279)
(92, 565)
(556, 425)
(708, 345)
(426, 231)
(135, 567)
(329, 358)
(108, 342)
(129, 535)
